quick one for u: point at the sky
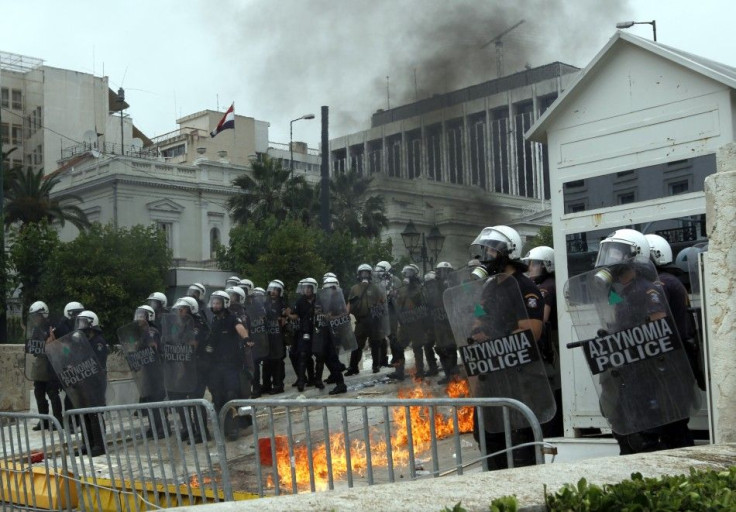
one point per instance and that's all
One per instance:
(278, 60)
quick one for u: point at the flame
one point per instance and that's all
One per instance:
(194, 481)
(420, 434)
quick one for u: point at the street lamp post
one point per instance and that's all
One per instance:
(421, 248)
(629, 24)
(291, 141)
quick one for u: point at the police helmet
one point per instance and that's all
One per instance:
(220, 295)
(623, 246)
(197, 288)
(72, 309)
(86, 320)
(330, 282)
(501, 239)
(236, 294)
(258, 291)
(659, 249)
(276, 285)
(232, 281)
(39, 308)
(430, 276)
(246, 285)
(187, 302)
(542, 254)
(144, 313)
(157, 296)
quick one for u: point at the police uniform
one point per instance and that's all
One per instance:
(441, 329)
(274, 371)
(363, 297)
(497, 310)
(45, 381)
(304, 341)
(153, 379)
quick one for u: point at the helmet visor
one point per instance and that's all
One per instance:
(536, 267)
(82, 322)
(140, 314)
(614, 252)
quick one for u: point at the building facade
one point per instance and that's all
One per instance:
(459, 161)
(49, 114)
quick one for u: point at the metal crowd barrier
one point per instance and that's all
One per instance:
(320, 439)
(33, 471)
(153, 456)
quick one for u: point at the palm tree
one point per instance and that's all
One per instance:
(28, 200)
(361, 217)
(270, 191)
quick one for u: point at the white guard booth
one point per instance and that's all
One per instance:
(630, 143)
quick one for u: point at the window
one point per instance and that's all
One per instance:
(167, 229)
(434, 152)
(17, 96)
(214, 242)
(577, 207)
(575, 184)
(17, 134)
(624, 173)
(455, 152)
(679, 187)
(626, 197)
(5, 97)
(39, 152)
(174, 151)
(5, 133)
(478, 151)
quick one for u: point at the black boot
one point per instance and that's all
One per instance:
(399, 373)
(376, 355)
(301, 369)
(339, 389)
(418, 364)
(319, 367)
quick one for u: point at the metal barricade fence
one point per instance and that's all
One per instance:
(312, 444)
(149, 455)
(33, 469)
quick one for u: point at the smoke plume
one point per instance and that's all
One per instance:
(298, 55)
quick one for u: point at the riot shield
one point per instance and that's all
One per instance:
(630, 342)
(143, 359)
(37, 367)
(179, 347)
(500, 359)
(443, 337)
(379, 313)
(336, 316)
(460, 276)
(275, 333)
(80, 373)
(413, 315)
(257, 314)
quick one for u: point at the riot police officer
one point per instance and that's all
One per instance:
(362, 297)
(391, 283)
(498, 249)
(228, 336)
(304, 314)
(45, 381)
(541, 263)
(330, 344)
(152, 374)
(277, 311)
(64, 327)
(89, 324)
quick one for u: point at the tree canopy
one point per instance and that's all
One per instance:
(28, 201)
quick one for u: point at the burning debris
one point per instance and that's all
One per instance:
(420, 419)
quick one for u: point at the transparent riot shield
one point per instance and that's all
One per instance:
(413, 315)
(257, 314)
(501, 358)
(81, 375)
(37, 367)
(336, 316)
(630, 342)
(443, 336)
(178, 347)
(460, 276)
(380, 324)
(143, 359)
(694, 263)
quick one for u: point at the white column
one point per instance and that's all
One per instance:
(719, 293)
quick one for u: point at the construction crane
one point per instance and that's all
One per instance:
(499, 47)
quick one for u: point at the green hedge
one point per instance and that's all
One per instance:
(699, 491)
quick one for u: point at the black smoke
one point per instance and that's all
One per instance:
(299, 54)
